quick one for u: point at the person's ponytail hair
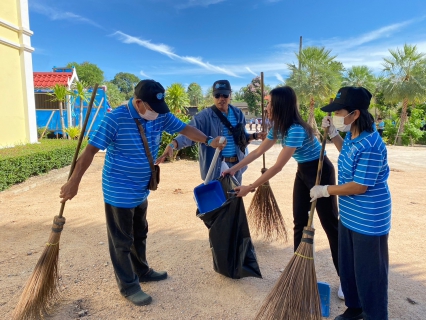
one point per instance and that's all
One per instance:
(365, 121)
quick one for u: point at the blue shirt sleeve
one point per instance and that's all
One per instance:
(106, 133)
(172, 124)
(270, 135)
(368, 166)
(295, 136)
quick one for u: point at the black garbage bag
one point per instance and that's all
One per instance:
(230, 241)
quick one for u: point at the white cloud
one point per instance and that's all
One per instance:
(197, 3)
(279, 77)
(56, 14)
(143, 74)
(168, 51)
(249, 70)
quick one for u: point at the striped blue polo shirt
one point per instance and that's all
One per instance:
(126, 171)
(229, 150)
(364, 160)
(297, 137)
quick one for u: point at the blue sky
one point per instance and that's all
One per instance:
(206, 40)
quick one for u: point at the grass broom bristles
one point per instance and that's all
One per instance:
(295, 296)
(264, 215)
(42, 288)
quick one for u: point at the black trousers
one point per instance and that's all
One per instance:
(364, 269)
(127, 231)
(326, 208)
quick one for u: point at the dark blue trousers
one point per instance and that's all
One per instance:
(127, 231)
(364, 267)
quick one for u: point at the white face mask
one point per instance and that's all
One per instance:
(149, 115)
(339, 123)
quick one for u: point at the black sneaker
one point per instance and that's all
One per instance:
(351, 314)
(152, 275)
(140, 298)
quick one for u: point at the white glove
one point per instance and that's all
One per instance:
(328, 122)
(319, 192)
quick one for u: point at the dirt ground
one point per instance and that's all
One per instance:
(178, 243)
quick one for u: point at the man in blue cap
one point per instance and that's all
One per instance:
(125, 180)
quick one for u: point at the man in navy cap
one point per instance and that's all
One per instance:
(125, 179)
(221, 119)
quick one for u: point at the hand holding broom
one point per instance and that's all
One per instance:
(264, 215)
(41, 289)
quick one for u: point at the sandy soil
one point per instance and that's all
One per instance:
(178, 243)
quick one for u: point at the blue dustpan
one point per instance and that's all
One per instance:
(210, 195)
(324, 293)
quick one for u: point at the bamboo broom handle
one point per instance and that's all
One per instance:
(319, 172)
(80, 140)
(262, 105)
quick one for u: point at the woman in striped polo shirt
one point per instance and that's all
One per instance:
(299, 142)
(364, 205)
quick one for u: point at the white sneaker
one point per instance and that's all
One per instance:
(340, 293)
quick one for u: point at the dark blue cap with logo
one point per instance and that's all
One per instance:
(222, 87)
(350, 98)
(152, 92)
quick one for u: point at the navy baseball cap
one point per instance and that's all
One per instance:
(222, 87)
(153, 93)
(349, 98)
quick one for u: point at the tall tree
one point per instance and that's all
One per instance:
(317, 79)
(88, 73)
(195, 94)
(126, 83)
(252, 95)
(360, 76)
(60, 94)
(405, 80)
(115, 96)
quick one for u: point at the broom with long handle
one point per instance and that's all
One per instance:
(264, 215)
(41, 289)
(295, 296)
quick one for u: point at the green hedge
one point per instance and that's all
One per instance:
(21, 162)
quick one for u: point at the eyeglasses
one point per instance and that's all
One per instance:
(218, 95)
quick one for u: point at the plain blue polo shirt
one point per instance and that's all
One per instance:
(364, 160)
(306, 149)
(126, 171)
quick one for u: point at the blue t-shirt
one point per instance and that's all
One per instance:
(297, 137)
(126, 171)
(364, 160)
(229, 150)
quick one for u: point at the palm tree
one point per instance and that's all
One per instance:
(360, 76)
(60, 94)
(317, 79)
(177, 99)
(81, 93)
(405, 80)
(195, 94)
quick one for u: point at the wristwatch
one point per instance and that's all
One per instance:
(207, 140)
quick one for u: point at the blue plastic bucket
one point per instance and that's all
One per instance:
(324, 293)
(209, 196)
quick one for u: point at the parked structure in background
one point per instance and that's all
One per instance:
(47, 111)
(43, 83)
(17, 107)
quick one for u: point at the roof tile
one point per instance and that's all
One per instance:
(49, 79)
